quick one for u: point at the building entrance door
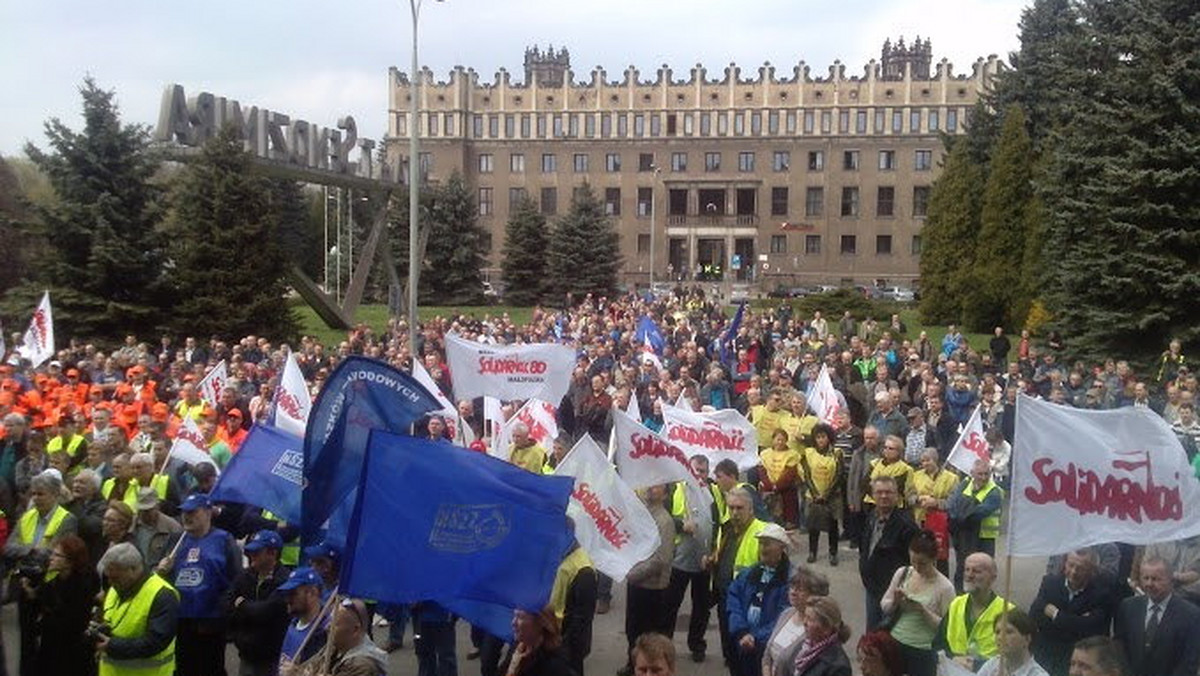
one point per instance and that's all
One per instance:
(677, 258)
(710, 259)
(743, 249)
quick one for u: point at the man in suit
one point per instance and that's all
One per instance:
(1071, 606)
(1097, 656)
(883, 544)
(1159, 631)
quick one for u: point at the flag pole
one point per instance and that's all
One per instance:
(1008, 529)
(316, 623)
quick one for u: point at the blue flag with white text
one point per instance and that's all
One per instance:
(648, 333)
(361, 395)
(725, 347)
(267, 472)
(437, 522)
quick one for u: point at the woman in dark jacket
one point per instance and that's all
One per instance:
(538, 649)
(64, 605)
(822, 653)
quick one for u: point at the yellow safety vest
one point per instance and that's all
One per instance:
(574, 562)
(747, 548)
(981, 641)
(989, 528)
(130, 497)
(290, 554)
(128, 619)
(56, 444)
(27, 526)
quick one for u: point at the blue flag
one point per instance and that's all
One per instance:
(267, 472)
(440, 523)
(647, 332)
(725, 347)
(361, 395)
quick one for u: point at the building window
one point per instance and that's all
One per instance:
(557, 125)
(541, 126)
(885, 202)
(850, 160)
(549, 201)
(448, 124)
(485, 163)
(622, 125)
(431, 121)
(916, 245)
(897, 121)
(952, 121)
(920, 201)
(493, 126)
(655, 124)
(549, 163)
(739, 123)
(860, 122)
(923, 160)
(485, 201)
(605, 125)
(883, 245)
(879, 121)
(812, 245)
(645, 201)
(643, 244)
(934, 122)
(808, 122)
(516, 163)
(612, 162)
(722, 124)
(705, 124)
(773, 122)
(510, 126)
(639, 125)
(914, 120)
(816, 160)
(678, 161)
(850, 201)
(755, 123)
(746, 162)
(425, 162)
(689, 124)
(781, 160)
(612, 201)
(814, 201)
(672, 124)
(789, 123)
(580, 161)
(844, 122)
(826, 122)
(779, 201)
(573, 126)
(887, 160)
(849, 245)
(778, 244)
(645, 161)
(476, 126)
(515, 197)
(712, 161)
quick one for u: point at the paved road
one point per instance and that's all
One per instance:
(608, 645)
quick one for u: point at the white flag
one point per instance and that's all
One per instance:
(210, 388)
(649, 355)
(38, 344)
(536, 414)
(293, 403)
(718, 435)
(681, 402)
(634, 409)
(971, 445)
(1083, 477)
(644, 459)
(611, 523)
(189, 445)
(823, 400)
(541, 370)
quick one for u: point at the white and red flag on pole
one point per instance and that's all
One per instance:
(1084, 477)
(541, 419)
(38, 343)
(718, 435)
(212, 384)
(823, 400)
(293, 402)
(611, 523)
(971, 445)
(541, 370)
(189, 444)
(644, 459)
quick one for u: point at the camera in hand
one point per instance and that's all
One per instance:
(28, 562)
(97, 631)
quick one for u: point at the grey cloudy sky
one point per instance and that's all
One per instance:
(319, 60)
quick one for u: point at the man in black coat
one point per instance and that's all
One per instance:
(258, 617)
(1159, 631)
(1071, 606)
(883, 545)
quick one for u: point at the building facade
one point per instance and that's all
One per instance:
(762, 180)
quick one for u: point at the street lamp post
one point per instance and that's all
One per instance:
(414, 174)
(653, 222)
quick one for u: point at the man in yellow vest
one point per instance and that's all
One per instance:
(525, 451)
(68, 439)
(974, 510)
(967, 632)
(739, 551)
(140, 616)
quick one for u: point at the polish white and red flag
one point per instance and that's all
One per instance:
(212, 384)
(541, 419)
(293, 402)
(717, 435)
(38, 344)
(189, 445)
(541, 370)
(644, 458)
(611, 523)
(971, 445)
(823, 400)
(1084, 477)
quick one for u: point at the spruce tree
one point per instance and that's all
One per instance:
(585, 253)
(995, 276)
(525, 254)
(103, 260)
(453, 258)
(1123, 190)
(227, 265)
(949, 235)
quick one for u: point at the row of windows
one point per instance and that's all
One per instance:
(781, 161)
(860, 121)
(814, 201)
(848, 245)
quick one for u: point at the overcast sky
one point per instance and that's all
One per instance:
(319, 60)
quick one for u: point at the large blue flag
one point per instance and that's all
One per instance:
(725, 347)
(267, 472)
(440, 523)
(361, 395)
(648, 333)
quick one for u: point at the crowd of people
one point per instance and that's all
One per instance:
(120, 562)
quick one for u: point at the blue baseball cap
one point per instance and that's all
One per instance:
(264, 539)
(323, 550)
(300, 577)
(196, 501)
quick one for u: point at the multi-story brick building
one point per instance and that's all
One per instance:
(765, 179)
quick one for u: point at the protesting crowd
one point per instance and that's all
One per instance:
(765, 449)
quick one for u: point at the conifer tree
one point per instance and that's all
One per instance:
(453, 259)
(949, 235)
(585, 253)
(525, 254)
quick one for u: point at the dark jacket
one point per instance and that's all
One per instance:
(258, 623)
(1175, 650)
(877, 566)
(1088, 614)
(749, 588)
(64, 609)
(542, 663)
(832, 662)
(578, 616)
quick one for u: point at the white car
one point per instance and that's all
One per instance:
(899, 294)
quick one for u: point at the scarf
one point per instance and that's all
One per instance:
(811, 651)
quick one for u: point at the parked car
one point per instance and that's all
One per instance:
(899, 294)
